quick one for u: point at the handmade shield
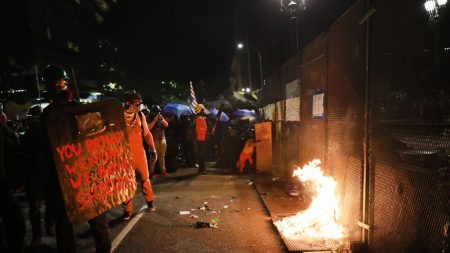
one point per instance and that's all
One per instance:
(92, 158)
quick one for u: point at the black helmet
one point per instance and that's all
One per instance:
(54, 73)
(131, 95)
(156, 109)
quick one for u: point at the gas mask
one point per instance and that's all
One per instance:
(60, 96)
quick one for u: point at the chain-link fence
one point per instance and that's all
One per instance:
(374, 99)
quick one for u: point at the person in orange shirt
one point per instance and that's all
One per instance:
(246, 154)
(247, 151)
(200, 129)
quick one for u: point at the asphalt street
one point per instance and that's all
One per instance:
(243, 223)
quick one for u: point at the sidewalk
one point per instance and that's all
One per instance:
(273, 193)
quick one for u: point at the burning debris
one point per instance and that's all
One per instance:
(318, 222)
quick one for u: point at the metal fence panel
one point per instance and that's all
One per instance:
(411, 147)
(345, 104)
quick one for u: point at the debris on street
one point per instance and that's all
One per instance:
(203, 224)
(184, 212)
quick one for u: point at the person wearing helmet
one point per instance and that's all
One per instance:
(60, 96)
(157, 126)
(138, 130)
(200, 129)
(58, 92)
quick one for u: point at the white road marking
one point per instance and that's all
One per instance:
(127, 228)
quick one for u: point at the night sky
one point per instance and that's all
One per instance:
(179, 40)
(195, 40)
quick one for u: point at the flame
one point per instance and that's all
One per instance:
(318, 222)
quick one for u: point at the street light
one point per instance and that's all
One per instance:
(291, 7)
(241, 46)
(433, 8)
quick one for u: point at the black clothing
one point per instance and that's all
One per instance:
(201, 154)
(13, 227)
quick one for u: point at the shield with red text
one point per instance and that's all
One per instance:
(92, 157)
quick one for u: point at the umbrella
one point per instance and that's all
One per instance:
(244, 113)
(177, 109)
(213, 113)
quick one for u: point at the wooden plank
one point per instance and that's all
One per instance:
(92, 157)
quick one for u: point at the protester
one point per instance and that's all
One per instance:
(186, 140)
(157, 125)
(60, 96)
(247, 152)
(36, 175)
(200, 129)
(10, 212)
(138, 130)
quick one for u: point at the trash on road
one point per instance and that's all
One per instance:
(184, 212)
(250, 183)
(204, 207)
(177, 197)
(193, 216)
(213, 224)
(202, 224)
(225, 206)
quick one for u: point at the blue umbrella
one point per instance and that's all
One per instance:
(177, 109)
(223, 117)
(244, 113)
